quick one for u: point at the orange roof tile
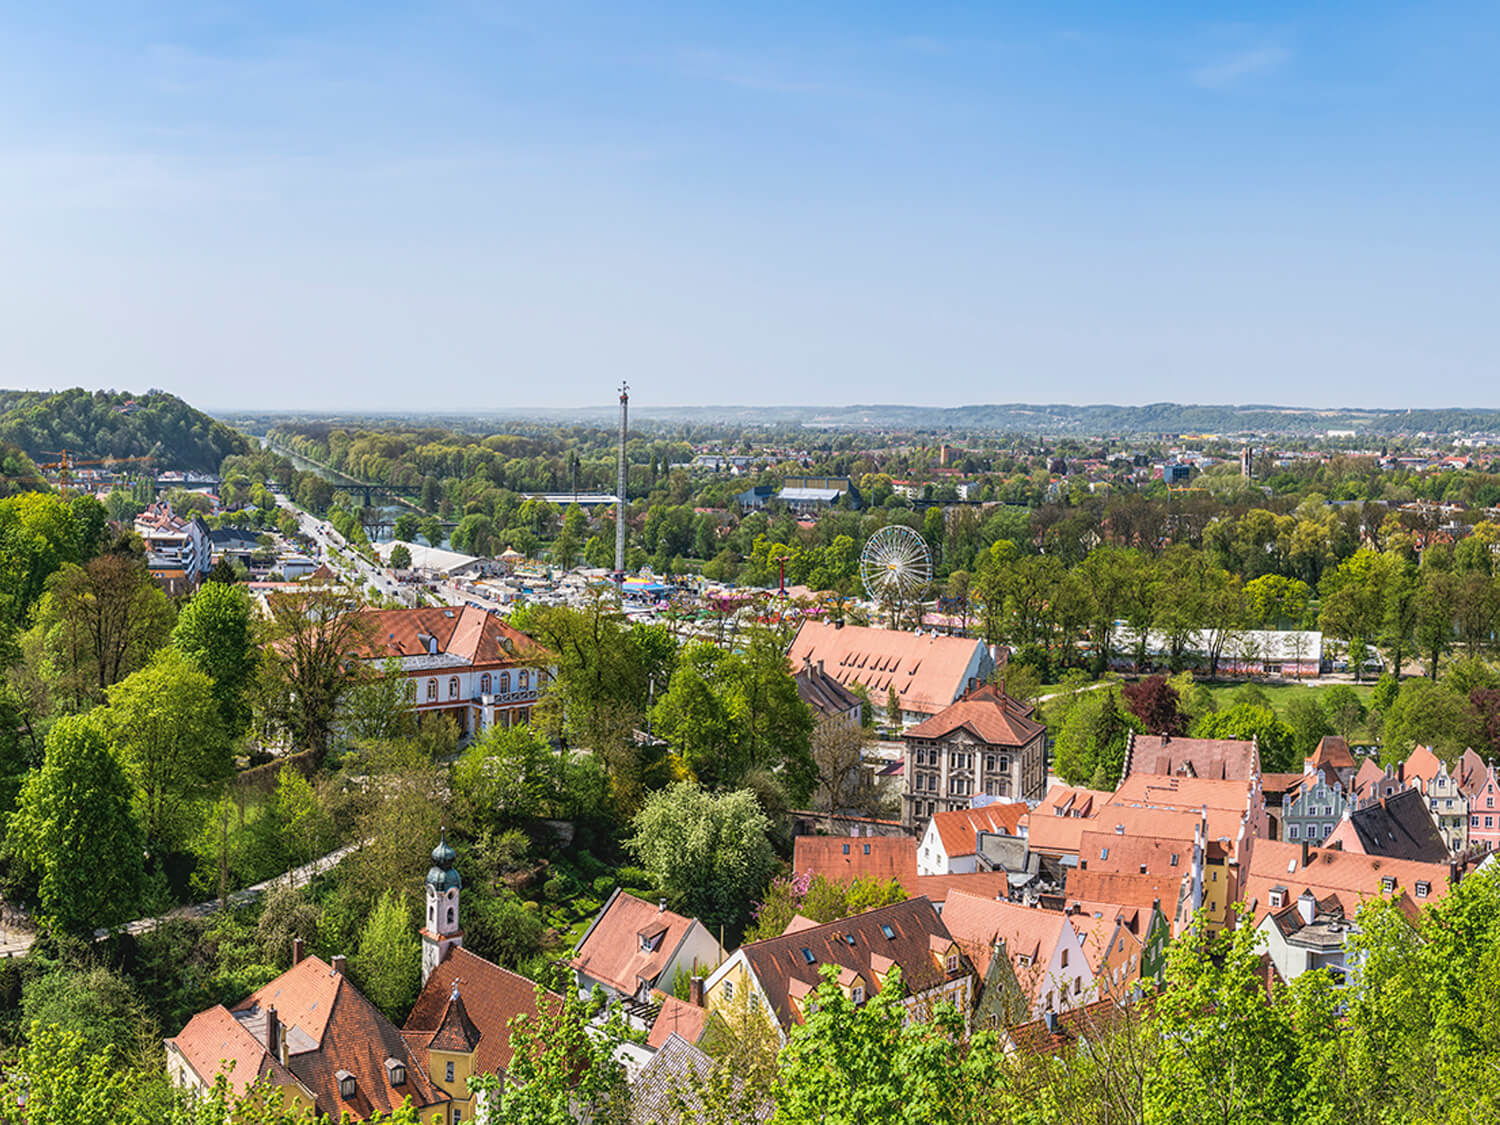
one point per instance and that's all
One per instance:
(629, 942)
(492, 997)
(988, 714)
(959, 828)
(1350, 877)
(1222, 758)
(976, 923)
(1423, 764)
(1331, 754)
(677, 1017)
(466, 633)
(845, 858)
(928, 672)
(1126, 889)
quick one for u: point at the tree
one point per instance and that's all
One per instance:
(214, 631)
(381, 707)
(315, 636)
(100, 622)
(1274, 601)
(388, 964)
(164, 725)
(563, 1068)
(1245, 721)
(709, 854)
(1426, 713)
(1309, 724)
(1344, 709)
(400, 557)
(1154, 702)
(838, 752)
(74, 826)
(1090, 748)
(893, 709)
(407, 527)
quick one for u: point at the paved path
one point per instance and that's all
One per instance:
(17, 943)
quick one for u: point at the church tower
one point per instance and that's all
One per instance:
(442, 931)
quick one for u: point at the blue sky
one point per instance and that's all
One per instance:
(463, 204)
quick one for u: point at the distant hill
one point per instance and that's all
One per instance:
(1051, 420)
(116, 424)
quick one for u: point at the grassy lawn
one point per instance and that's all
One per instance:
(1281, 696)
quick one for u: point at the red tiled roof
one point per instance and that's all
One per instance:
(1331, 754)
(215, 1041)
(926, 671)
(959, 828)
(1126, 889)
(492, 997)
(1072, 1025)
(343, 1032)
(470, 634)
(677, 1017)
(1369, 774)
(1222, 758)
(1423, 764)
(845, 858)
(789, 964)
(989, 715)
(984, 884)
(1106, 851)
(611, 950)
(1350, 877)
(976, 923)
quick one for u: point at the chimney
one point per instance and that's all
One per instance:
(695, 991)
(1304, 853)
(1307, 906)
(661, 906)
(1166, 737)
(273, 1031)
(1455, 872)
(297, 951)
(338, 964)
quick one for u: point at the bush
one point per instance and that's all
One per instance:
(604, 885)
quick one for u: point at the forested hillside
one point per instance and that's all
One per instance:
(116, 424)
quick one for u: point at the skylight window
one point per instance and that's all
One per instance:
(888, 932)
(807, 955)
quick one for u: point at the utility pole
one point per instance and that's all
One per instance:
(620, 505)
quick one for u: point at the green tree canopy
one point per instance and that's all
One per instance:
(1246, 721)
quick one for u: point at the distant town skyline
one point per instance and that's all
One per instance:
(471, 206)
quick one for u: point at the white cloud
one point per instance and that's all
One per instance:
(1227, 71)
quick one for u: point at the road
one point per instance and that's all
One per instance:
(328, 541)
(17, 943)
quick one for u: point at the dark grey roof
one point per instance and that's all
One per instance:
(1399, 827)
(822, 692)
(668, 1084)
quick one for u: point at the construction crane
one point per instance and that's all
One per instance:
(66, 463)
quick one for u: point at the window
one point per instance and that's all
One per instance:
(1292, 833)
(728, 991)
(1423, 888)
(1489, 822)
(867, 849)
(953, 962)
(1473, 822)
(1065, 958)
(1077, 985)
(1489, 802)
(411, 690)
(890, 934)
(1174, 859)
(458, 1115)
(1122, 945)
(448, 1071)
(857, 994)
(504, 683)
(1387, 883)
(846, 849)
(450, 915)
(989, 762)
(395, 1072)
(431, 691)
(484, 684)
(807, 955)
(452, 687)
(346, 1084)
(1004, 764)
(1103, 853)
(523, 681)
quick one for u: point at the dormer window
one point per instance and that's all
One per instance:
(395, 1072)
(346, 1084)
(1387, 884)
(1277, 898)
(1423, 889)
(857, 994)
(953, 962)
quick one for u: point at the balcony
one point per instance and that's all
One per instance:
(499, 699)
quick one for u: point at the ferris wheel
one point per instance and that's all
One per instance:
(895, 566)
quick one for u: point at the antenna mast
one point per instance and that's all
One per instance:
(620, 505)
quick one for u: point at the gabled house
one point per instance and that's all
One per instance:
(1314, 811)
(844, 859)
(776, 976)
(1044, 958)
(1108, 935)
(985, 744)
(1333, 756)
(1484, 809)
(1444, 791)
(633, 947)
(1140, 898)
(1303, 900)
(951, 843)
(825, 697)
(312, 1034)
(460, 1025)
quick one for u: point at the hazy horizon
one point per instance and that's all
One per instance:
(506, 208)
